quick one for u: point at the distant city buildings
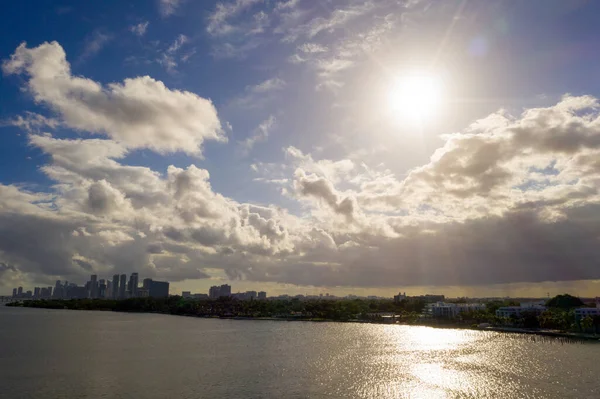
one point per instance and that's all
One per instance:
(224, 290)
(427, 298)
(118, 288)
(218, 291)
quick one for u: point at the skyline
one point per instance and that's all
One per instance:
(275, 145)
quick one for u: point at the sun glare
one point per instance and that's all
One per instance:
(415, 97)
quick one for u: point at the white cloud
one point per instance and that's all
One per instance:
(168, 7)
(31, 122)
(312, 48)
(261, 133)
(139, 29)
(94, 43)
(179, 41)
(337, 19)
(267, 86)
(257, 95)
(218, 20)
(286, 4)
(140, 113)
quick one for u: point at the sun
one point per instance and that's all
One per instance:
(415, 97)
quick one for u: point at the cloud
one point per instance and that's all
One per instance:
(320, 188)
(31, 122)
(336, 19)
(140, 112)
(312, 48)
(139, 29)
(94, 43)
(218, 20)
(509, 199)
(168, 58)
(267, 86)
(168, 7)
(261, 133)
(257, 95)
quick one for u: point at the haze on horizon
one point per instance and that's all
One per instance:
(345, 146)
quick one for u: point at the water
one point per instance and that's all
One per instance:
(76, 354)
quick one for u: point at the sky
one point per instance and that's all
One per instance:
(303, 147)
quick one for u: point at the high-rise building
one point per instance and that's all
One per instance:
(262, 295)
(59, 290)
(101, 288)
(251, 295)
(115, 286)
(36, 292)
(225, 290)
(157, 289)
(123, 286)
(214, 292)
(94, 286)
(147, 283)
(14, 292)
(20, 291)
(133, 284)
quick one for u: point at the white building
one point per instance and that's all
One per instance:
(451, 310)
(524, 307)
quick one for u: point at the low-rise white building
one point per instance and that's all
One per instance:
(451, 310)
(524, 307)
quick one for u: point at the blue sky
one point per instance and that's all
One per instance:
(305, 177)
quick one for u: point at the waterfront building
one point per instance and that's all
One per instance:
(524, 307)
(452, 310)
(147, 283)
(58, 290)
(225, 290)
(262, 295)
(133, 281)
(102, 288)
(19, 291)
(14, 293)
(214, 292)
(115, 286)
(158, 289)
(36, 292)
(93, 286)
(122, 286)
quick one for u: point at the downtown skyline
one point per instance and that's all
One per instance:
(351, 147)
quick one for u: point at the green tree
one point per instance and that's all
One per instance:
(564, 301)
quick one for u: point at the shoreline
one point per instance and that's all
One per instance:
(500, 329)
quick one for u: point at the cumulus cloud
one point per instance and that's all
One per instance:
(140, 112)
(509, 199)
